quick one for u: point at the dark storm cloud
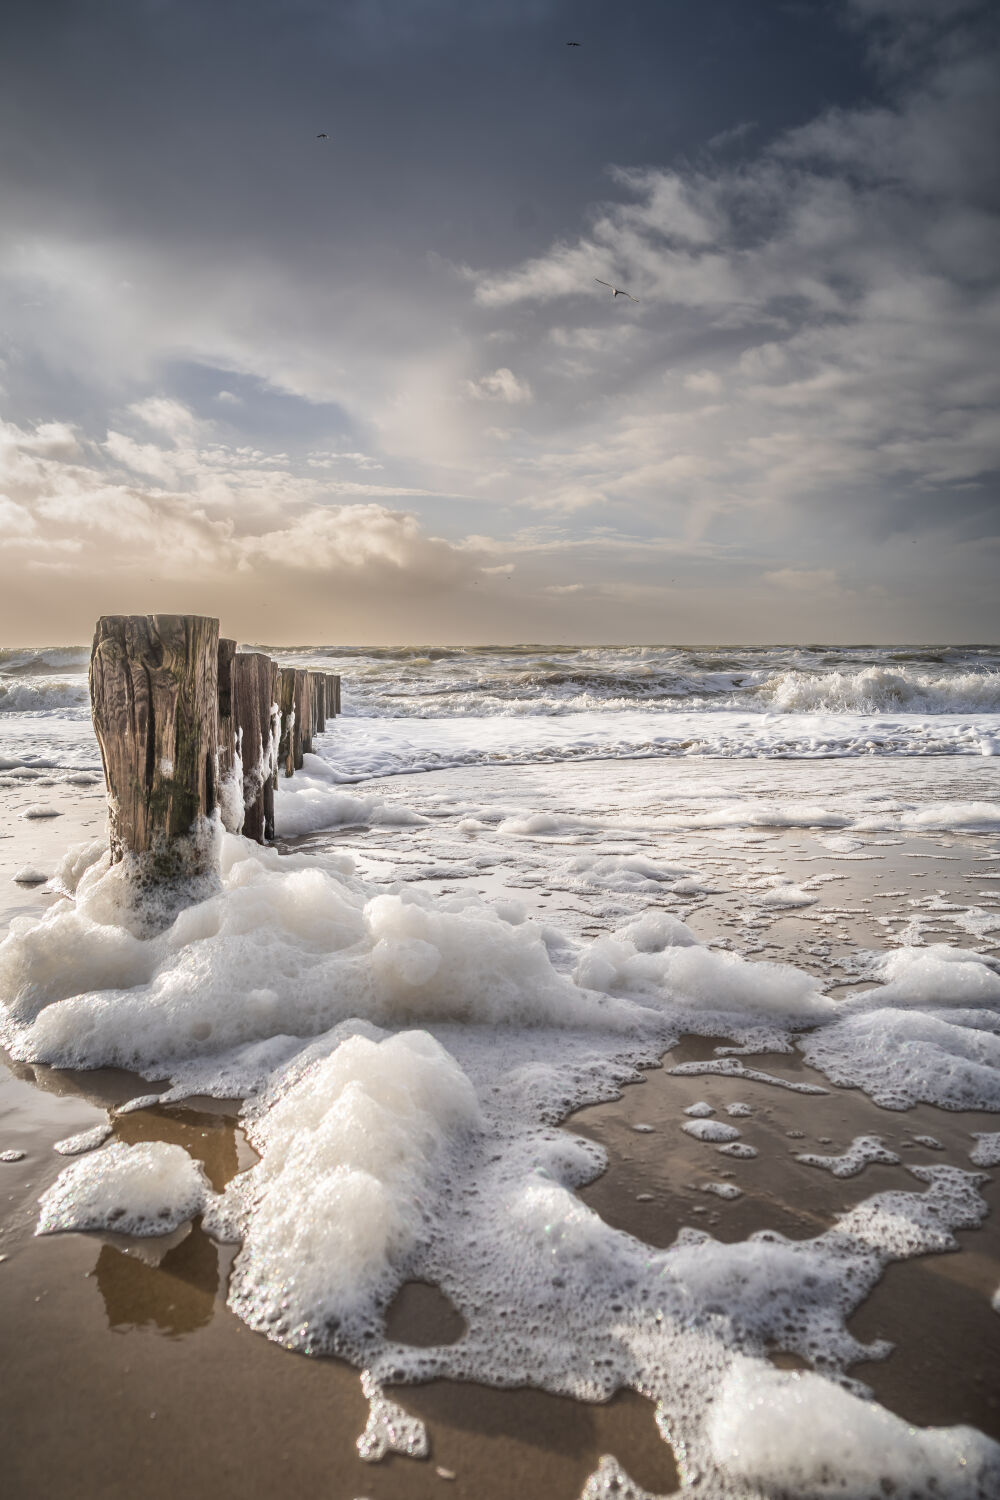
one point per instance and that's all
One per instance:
(218, 328)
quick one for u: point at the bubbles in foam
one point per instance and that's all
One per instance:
(715, 1131)
(862, 1152)
(389, 1155)
(986, 1151)
(86, 1140)
(389, 1428)
(609, 1481)
(795, 1432)
(144, 1190)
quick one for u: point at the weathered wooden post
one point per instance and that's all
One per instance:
(332, 694)
(317, 681)
(286, 706)
(255, 716)
(227, 731)
(228, 798)
(154, 698)
(303, 730)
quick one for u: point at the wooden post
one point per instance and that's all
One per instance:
(154, 697)
(255, 717)
(286, 705)
(317, 682)
(332, 694)
(227, 736)
(302, 733)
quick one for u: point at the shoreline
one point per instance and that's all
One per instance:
(141, 1328)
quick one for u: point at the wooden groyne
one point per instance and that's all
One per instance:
(188, 725)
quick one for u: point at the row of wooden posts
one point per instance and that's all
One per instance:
(187, 724)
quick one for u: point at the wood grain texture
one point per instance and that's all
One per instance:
(256, 719)
(154, 698)
(286, 705)
(227, 730)
(318, 683)
(302, 730)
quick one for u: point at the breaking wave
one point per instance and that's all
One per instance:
(882, 690)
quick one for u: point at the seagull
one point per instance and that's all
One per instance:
(322, 136)
(616, 291)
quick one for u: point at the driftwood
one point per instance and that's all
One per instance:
(257, 724)
(154, 697)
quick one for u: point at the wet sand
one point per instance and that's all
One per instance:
(123, 1369)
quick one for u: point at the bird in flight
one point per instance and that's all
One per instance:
(572, 44)
(322, 136)
(616, 291)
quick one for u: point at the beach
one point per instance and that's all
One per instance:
(666, 927)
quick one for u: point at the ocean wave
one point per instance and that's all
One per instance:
(27, 696)
(21, 661)
(882, 689)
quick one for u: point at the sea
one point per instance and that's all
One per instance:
(509, 884)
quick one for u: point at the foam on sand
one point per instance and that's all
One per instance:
(862, 1152)
(311, 800)
(795, 1432)
(405, 1061)
(350, 1144)
(144, 1190)
(986, 1151)
(716, 1131)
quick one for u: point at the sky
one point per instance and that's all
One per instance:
(301, 321)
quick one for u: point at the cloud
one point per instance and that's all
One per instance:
(810, 374)
(329, 460)
(730, 137)
(166, 415)
(703, 382)
(502, 385)
(836, 297)
(208, 513)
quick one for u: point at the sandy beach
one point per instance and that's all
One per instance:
(500, 751)
(149, 1379)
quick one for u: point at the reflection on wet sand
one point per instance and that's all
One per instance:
(209, 1134)
(175, 1296)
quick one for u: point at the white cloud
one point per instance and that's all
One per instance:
(835, 297)
(703, 382)
(166, 415)
(502, 385)
(318, 459)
